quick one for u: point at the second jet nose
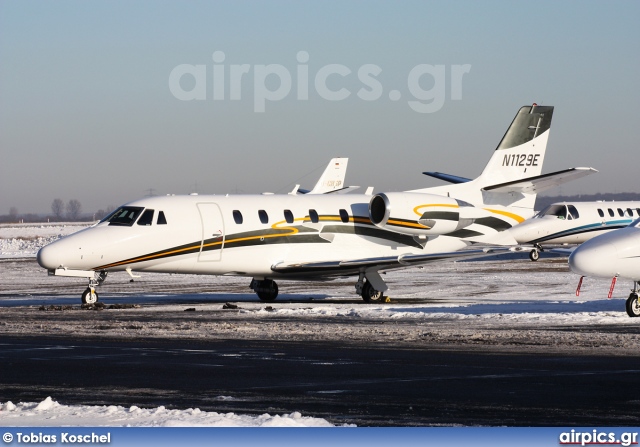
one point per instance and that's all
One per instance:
(594, 259)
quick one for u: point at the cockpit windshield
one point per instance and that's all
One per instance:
(124, 216)
(560, 212)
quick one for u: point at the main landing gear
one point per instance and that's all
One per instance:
(90, 296)
(267, 289)
(366, 290)
(371, 295)
(632, 305)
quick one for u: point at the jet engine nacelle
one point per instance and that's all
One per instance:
(421, 214)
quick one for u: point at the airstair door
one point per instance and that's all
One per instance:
(212, 232)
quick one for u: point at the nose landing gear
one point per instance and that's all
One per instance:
(90, 296)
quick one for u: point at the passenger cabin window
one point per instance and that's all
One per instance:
(288, 216)
(600, 212)
(237, 217)
(629, 212)
(146, 219)
(125, 216)
(264, 217)
(344, 216)
(610, 212)
(620, 212)
(313, 215)
(161, 219)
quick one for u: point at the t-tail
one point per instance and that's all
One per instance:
(513, 176)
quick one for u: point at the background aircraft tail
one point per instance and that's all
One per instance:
(332, 179)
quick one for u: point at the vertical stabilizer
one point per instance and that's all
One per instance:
(521, 151)
(332, 178)
(519, 155)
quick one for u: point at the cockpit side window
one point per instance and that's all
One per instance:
(573, 211)
(161, 219)
(560, 211)
(125, 216)
(147, 218)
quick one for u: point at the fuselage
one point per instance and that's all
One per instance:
(247, 235)
(612, 254)
(575, 222)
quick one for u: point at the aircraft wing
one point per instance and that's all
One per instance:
(541, 182)
(381, 263)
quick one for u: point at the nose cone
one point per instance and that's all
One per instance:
(594, 259)
(48, 257)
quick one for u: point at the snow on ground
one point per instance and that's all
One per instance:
(50, 413)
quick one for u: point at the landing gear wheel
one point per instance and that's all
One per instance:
(267, 290)
(369, 294)
(633, 307)
(534, 255)
(89, 296)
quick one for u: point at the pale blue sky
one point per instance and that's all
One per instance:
(86, 111)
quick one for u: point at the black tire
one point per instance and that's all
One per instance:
(89, 296)
(633, 306)
(371, 295)
(534, 255)
(267, 290)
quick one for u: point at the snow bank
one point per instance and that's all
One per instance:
(51, 413)
(24, 240)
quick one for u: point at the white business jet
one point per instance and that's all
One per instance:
(573, 223)
(316, 236)
(612, 255)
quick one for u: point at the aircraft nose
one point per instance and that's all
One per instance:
(595, 260)
(48, 257)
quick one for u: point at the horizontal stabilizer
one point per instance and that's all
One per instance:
(344, 190)
(447, 177)
(541, 182)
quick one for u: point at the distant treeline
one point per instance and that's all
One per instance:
(39, 218)
(543, 201)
